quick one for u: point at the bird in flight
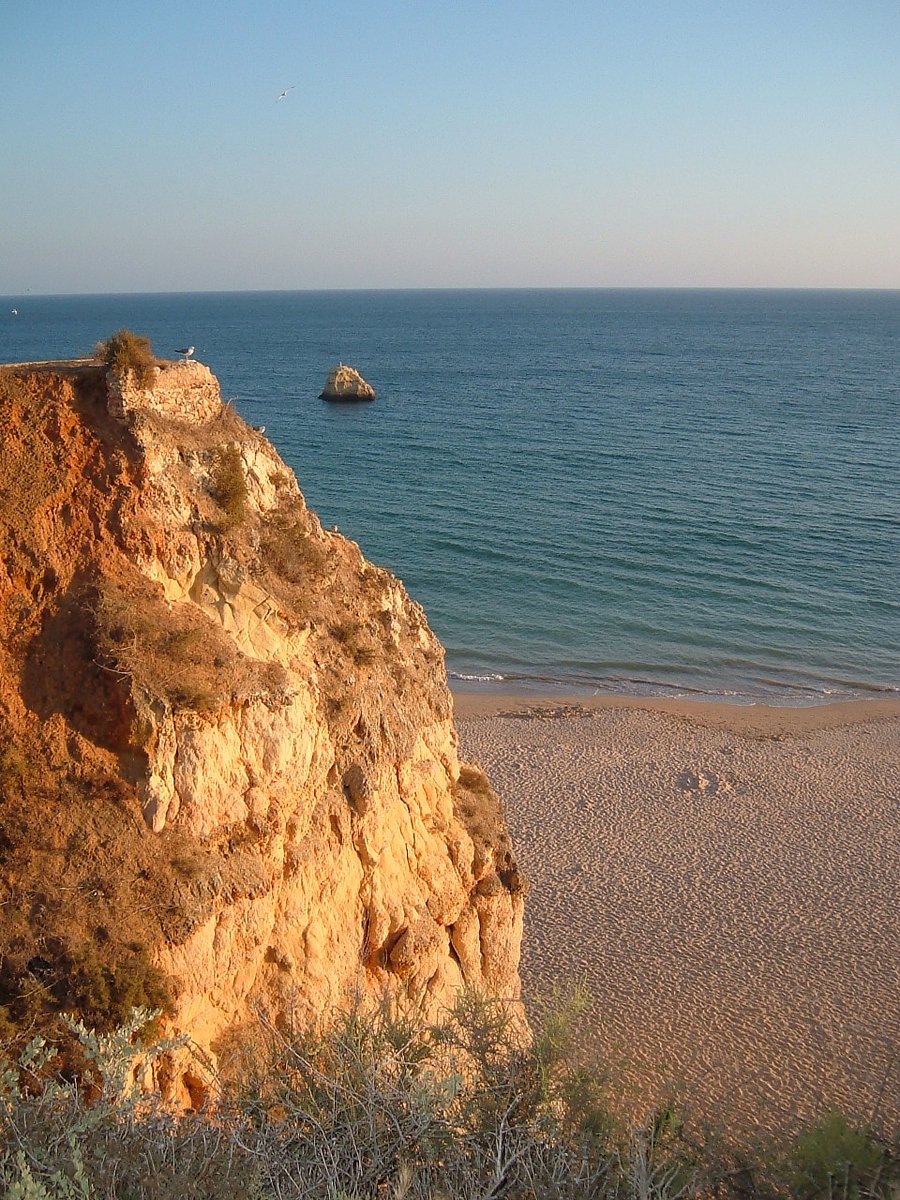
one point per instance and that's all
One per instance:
(187, 351)
(285, 92)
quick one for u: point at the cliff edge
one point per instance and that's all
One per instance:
(229, 777)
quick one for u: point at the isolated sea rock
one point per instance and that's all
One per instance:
(229, 777)
(345, 383)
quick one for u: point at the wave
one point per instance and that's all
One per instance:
(648, 683)
(490, 677)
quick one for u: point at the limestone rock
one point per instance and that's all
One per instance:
(345, 383)
(229, 737)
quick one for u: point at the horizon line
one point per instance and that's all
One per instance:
(459, 288)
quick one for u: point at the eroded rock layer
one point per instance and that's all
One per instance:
(230, 776)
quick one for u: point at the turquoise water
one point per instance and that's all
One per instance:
(691, 492)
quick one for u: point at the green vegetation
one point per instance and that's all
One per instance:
(836, 1158)
(228, 486)
(381, 1107)
(129, 353)
(69, 979)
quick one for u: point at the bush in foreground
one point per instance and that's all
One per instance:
(380, 1107)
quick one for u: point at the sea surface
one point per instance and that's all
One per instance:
(651, 492)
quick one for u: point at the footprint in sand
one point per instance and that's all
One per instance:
(705, 782)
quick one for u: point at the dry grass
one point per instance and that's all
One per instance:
(289, 549)
(176, 652)
(380, 1107)
(76, 874)
(480, 810)
(228, 485)
(226, 427)
(129, 354)
(353, 640)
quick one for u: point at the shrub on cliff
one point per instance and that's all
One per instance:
(129, 353)
(228, 486)
(102, 990)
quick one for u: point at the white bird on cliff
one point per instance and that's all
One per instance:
(187, 351)
(285, 92)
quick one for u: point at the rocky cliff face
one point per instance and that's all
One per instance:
(229, 774)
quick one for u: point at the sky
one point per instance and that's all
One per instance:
(536, 143)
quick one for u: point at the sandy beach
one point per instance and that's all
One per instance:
(725, 880)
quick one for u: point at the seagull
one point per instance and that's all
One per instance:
(14, 312)
(285, 92)
(187, 351)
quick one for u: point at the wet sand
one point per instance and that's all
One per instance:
(726, 882)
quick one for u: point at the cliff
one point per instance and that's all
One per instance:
(229, 776)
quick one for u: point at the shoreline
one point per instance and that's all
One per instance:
(722, 878)
(759, 720)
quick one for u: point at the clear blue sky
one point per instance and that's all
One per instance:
(452, 144)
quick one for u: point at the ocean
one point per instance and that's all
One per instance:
(687, 493)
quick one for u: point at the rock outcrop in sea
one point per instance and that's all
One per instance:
(345, 383)
(229, 777)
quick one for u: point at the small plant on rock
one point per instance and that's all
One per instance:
(129, 353)
(228, 486)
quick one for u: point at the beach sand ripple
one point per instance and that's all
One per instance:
(727, 884)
